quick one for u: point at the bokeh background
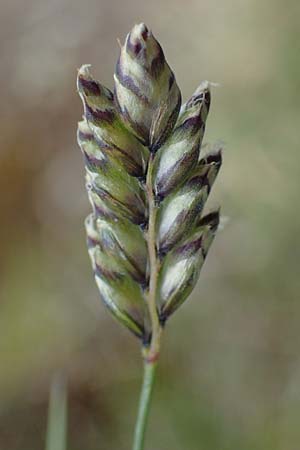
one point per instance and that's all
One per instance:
(229, 376)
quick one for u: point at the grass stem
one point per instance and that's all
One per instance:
(144, 405)
(56, 438)
(151, 353)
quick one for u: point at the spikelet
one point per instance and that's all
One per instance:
(140, 144)
(181, 266)
(146, 92)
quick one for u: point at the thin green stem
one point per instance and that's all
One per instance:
(144, 405)
(151, 353)
(56, 437)
(154, 265)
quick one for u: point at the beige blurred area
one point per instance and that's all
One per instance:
(229, 376)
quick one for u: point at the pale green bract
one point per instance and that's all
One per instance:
(138, 138)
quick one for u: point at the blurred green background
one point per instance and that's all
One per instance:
(229, 376)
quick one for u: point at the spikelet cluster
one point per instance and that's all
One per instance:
(119, 131)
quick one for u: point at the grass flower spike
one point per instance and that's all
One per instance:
(148, 181)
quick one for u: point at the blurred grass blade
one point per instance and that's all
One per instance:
(56, 436)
